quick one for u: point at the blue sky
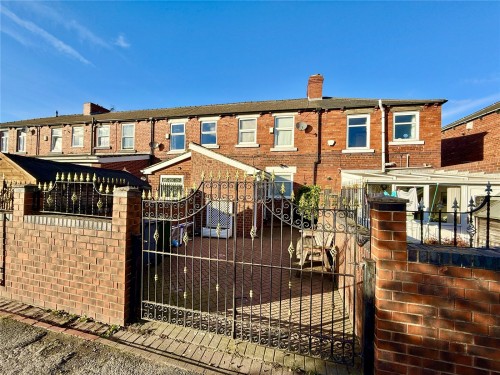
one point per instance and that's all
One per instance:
(142, 55)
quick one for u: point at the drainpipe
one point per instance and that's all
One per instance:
(92, 140)
(151, 144)
(383, 133)
(318, 149)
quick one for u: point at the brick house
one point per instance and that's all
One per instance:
(309, 140)
(470, 144)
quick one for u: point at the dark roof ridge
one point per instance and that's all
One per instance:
(482, 112)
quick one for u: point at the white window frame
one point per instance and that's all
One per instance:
(206, 121)
(167, 176)
(4, 141)
(287, 172)
(247, 131)
(98, 137)
(127, 137)
(417, 127)
(21, 140)
(367, 145)
(55, 134)
(73, 143)
(277, 130)
(172, 135)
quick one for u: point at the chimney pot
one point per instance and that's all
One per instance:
(315, 87)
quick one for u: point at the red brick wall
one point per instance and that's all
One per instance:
(473, 150)
(67, 266)
(430, 319)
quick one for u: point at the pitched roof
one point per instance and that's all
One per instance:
(46, 170)
(222, 109)
(204, 151)
(482, 112)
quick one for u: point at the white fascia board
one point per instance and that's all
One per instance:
(223, 159)
(79, 159)
(166, 163)
(113, 159)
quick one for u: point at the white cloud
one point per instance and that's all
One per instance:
(14, 35)
(482, 81)
(121, 42)
(466, 106)
(70, 24)
(49, 38)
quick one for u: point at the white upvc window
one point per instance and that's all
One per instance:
(4, 141)
(177, 136)
(128, 136)
(247, 131)
(209, 133)
(171, 186)
(283, 131)
(77, 136)
(283, 181)
(358, 132)
(56, 140)
(406, 126)
(102, 137)
(21, 140)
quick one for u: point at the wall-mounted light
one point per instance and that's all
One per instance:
(331, 142)
(167, 136)
(45, 137)
(271, 130)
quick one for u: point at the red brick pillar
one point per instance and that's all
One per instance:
(389, 251)
(125, 223)
(23, 201)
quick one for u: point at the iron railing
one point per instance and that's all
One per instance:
(448, 234)
(239, 258)
(79, 194)
(6, 196)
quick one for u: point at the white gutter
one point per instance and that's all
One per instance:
(383, 133)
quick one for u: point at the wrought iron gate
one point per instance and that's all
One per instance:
(240, 259)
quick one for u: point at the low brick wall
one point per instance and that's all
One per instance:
(79, 265)
(437, 309)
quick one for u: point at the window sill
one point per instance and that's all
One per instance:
(247, 145)
(76, 146)
(128, 151)
(102, 148)
(55, 152)
(358, 151)
(403, 143)
(283, 149)
(173, 152)
(20, 152)
(211, 146)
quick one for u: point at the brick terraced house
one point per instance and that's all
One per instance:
(309, 140)
(470, 144)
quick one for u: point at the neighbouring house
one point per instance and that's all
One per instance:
(470, 144)
(303, 141)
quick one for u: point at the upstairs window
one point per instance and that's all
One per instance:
(103, 136)
(4, 141)
(283, 131)
(21, 140)
(177, 136)
(247, 131)
(77, 136)
(56, 140)
(128, 136)
(358, 132)
(406, 126)
(209, 133)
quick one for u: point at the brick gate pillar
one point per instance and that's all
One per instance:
(126, 223)
(389, 251)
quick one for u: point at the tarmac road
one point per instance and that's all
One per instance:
(28, 350)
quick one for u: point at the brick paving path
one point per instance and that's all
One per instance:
(190, 349)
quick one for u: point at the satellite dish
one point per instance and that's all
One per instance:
(301, 126)
(154, 144)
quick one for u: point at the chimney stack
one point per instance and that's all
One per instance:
(315, 87)
(93, 109)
